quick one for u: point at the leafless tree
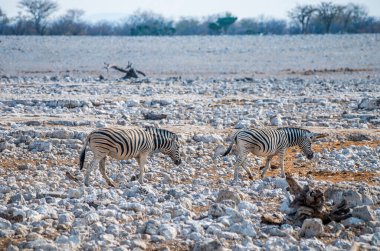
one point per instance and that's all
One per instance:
(328, 12)
(3, 21)
(353, 14)
(39, 11)
(302, 14)
(69, 24)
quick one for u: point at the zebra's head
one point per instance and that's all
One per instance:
(167, 143)
(174, 150)
(305, 144)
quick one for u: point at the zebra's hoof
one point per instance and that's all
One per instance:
(112, 184)
(251, 177)
(234, 182)
(133, 178)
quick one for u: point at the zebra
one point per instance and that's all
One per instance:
(124, 144)
(269, 143)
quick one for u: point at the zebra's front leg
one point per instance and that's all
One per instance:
(90, 168)
(282, 160)
(142, 161)
(267, 166)
(102, 168)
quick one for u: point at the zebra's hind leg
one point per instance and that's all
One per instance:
(247, 169)
(239, 161)
(90, 168)
(102, 168)
(267, 166)
(142, 159)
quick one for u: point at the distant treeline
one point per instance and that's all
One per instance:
(326, 17)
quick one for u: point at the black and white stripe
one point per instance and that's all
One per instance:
(269, 143)
(127, 144)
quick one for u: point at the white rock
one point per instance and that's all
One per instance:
(168, 231)
(243, 124)
(208, 245)
(40, 146)
(245, 228)
(311, 228)
(312, 244)
(352, 222)
(92, 218)
(217, 210)
(151, 227)
(277, 243)
(369, 104)
(66, 218)
(376, 239)
(138, 243)
(75, 193)
(245, 205)
(212, 138)
(132, 103)
(101, 124)
(364, 213)
(5, 224)
(276, 120)
(226, 194)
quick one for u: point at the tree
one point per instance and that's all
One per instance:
(353, 15)
(327, 12)
(149, 23)
(69, 24)
(226, 21)
(222, 24)
(302, 14)
(3, 21)
(246, 26)
(188, 26)
(39, 11)
(214, 28)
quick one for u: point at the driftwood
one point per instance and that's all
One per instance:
(129, 71)
(310, 203)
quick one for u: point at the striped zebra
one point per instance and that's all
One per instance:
(269, 143)
(127, 144)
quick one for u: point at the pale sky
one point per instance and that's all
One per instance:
(115, 10)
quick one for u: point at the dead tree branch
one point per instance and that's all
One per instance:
(129, 71)
(310, 203)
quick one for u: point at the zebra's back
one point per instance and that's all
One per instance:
(119, 143)
(261, 142)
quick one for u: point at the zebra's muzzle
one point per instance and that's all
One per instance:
(177, 162)
(310, 156)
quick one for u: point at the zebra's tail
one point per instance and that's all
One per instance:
(233, 140)
(83, 153)
(228, 149)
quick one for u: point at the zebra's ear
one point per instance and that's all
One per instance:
(175, 138)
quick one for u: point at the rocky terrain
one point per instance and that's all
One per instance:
(45, 116)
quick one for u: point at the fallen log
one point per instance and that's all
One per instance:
(129, 71)
(310, 203)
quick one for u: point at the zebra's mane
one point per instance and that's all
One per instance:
(158, 131)
(291, 128)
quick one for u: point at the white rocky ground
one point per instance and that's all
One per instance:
(45, 118)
